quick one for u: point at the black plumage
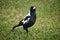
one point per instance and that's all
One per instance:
(29, 20)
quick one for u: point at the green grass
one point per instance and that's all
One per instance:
(47, 26)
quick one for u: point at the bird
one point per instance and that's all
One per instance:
(28, 21)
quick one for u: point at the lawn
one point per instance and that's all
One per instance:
(47, 26)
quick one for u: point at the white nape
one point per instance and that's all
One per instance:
(34, 7)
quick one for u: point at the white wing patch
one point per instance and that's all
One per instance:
(27, 15)
(26, 21)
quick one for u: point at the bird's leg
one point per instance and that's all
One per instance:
(26, 30)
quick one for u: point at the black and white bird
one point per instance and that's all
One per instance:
(29, 20)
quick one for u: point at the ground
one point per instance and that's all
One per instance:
(47, 26)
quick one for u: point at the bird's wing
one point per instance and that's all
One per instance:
(26, 19)
(27, 15)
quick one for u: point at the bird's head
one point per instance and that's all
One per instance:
(32, 9)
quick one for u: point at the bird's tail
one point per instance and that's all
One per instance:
(20, 23)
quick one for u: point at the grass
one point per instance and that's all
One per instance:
(47, 26)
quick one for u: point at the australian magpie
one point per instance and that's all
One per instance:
(29, 20)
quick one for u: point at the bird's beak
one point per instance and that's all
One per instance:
(34, 8)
